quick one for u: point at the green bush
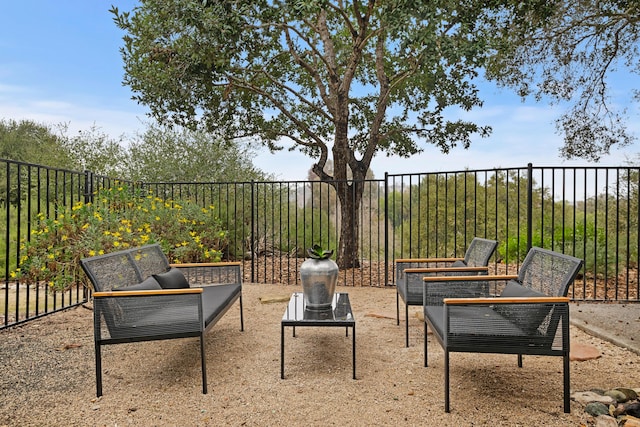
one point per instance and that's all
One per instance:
(119, 218)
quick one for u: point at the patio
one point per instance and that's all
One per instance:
(48, 374)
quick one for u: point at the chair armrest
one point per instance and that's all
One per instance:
(511, 300)
(116, 294)
(446, 270)
(427, 260)
(206, 264)
(487, 278)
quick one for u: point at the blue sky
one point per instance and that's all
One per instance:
(60, 63)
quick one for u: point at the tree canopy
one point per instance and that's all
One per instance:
(340, 79)
(568, 51)
(352, 77)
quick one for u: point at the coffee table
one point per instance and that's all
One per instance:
(338, 315)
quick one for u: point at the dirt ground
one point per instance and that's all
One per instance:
(48, 374)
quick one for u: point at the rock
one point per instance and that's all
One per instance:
(596, 408)
(619, 396)
(619, 410)
(630, 393)
(632, 409)
(580, 352)
(585, 397)
(605, 421)
(628, 421)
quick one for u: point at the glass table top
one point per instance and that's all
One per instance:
(339, 313)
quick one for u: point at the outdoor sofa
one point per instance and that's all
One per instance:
(139, 296)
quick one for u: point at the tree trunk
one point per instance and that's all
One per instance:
(350, 196)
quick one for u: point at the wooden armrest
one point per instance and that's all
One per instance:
(401, 260)
(444, 269)
(206, 264)
(147, 293)
(511, 300)
(469, 278)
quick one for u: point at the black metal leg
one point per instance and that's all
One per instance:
(397, 307)
(519, 361)
(98, 370)
(282, 351)
(406, 325)
(425, 344)
(446, 381)
(354, 351)
(204, 364)
(241, 316)
(566, 344)
(567, 402)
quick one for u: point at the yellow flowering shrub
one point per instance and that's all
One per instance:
(119, 219)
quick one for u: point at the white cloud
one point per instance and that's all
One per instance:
(77, 116)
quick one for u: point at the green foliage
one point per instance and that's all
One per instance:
(514, 248)
(95, 151)
(30, 142)
(317, 252)
(569, 51)
(311, 226)
(164, 154)
(27, 142)
(118, 219)
(211, 63)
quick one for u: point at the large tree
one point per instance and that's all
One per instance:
(339, 79)
(567, 51)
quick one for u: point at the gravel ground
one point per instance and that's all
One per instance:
(48, 375)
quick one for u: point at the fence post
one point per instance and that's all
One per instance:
(252, 235)
(386, 228)
(529, 206)
(88, 186)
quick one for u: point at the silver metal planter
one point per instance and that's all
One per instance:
(319, 278)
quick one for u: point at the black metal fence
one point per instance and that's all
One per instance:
(588, 212)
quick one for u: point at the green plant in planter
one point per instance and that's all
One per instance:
(317, 252)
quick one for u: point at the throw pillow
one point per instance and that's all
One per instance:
(527, 316)
(149, 284)
(172, 279)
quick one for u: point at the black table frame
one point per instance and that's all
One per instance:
(338, 315)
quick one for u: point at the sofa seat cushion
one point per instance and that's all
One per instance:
(216, 299)
(480, 329)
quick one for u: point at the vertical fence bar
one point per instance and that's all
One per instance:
(529, 206)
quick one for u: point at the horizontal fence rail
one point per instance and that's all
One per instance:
(589, 212)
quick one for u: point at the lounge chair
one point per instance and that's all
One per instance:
(529, 316)
(410, 271)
